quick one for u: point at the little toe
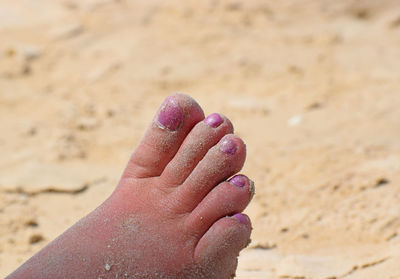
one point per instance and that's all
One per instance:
(201, 138)
(227, 198)
(220, 246)
(176, 117)
(221, 161)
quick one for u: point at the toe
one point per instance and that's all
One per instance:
(221, 161)
(176, 117)
(221, 244)
(225, 199)
(201, 138)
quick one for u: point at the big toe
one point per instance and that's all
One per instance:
(177, 115)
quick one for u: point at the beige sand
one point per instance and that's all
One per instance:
(313, 87)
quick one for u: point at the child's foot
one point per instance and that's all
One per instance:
(173, 215)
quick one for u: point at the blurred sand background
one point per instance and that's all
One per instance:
(312, 86)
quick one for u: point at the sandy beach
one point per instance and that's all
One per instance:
(312, 87)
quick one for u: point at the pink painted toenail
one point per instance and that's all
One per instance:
(213, 120)
(239, 216)
(171, 115)
(228, 146)
(239, 180)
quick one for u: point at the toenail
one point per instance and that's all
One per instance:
(228, 146)
(239, 180)
(171, 115)
(240, 217)
(214, 120)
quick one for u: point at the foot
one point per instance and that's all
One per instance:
(172, 215)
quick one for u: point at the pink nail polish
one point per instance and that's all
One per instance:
(239, 180)
(213, 120)
(228, 146)
(170, 115)
(240, 217)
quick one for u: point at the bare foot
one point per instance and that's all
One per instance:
(172, 215)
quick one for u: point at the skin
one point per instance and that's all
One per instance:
(173, 213)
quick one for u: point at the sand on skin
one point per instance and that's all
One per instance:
(311, 86)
